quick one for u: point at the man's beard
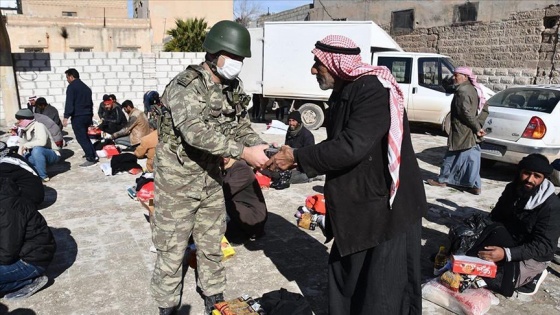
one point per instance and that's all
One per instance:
(525, 192)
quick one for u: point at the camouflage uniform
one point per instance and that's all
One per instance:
(206, 121)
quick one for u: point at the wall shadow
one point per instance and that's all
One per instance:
(298, 256)
(65, 255)
(30, 62)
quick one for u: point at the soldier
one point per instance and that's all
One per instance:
(204, 120)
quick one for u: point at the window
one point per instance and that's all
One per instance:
(401, 68)
(33, 50)
(82, 49)
(435, 73)
(533, 99)
(69, 13)
(402, 21)
(550, 21)
(465, 12)
(131, 49)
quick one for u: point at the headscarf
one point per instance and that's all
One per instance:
(3, 149)
(472, 78)
(341, 56)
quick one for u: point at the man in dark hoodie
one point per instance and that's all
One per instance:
(27, 245)
(525, 232)
(79, 106)
(19, 170)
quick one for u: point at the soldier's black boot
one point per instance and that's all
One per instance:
(168, 311)
(209, 302)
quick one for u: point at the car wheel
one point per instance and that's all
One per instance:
(555, 178)
(312, 115)
(487, 163)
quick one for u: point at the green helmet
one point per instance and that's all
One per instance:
(228, 36)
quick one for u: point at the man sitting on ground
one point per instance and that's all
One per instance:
(113, 118)
(27, 245)
(42, 107)
(147, 148)
(18, 169)
(36, 143)
(297, 137)
(52, 127)
(525, 232)
(136, 128)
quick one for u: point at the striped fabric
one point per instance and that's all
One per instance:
(469, 73)
(349, 67)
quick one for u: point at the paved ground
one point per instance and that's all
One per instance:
(103, 263)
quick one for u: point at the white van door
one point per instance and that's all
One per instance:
(401, 68)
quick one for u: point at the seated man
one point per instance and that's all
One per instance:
(42, 107)
(147, 148)
(525, 232)
(27, 245)
(136, 128)
(52, 127)
(13, 166)
(112, 116)
(297, 137)
(245, 203)
(36, 143)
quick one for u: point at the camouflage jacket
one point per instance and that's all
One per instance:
(205, 122)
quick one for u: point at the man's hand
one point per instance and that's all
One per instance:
(108, 136)
(481, 133)
(255, 155)
(492, 253)
(282, 160)
(65, 122)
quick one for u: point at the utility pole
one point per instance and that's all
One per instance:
(8, 83)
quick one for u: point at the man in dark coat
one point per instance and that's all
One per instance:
(373, 213)
(297, 137)
(19, 170)
(42, 107)
(524, 236)
(27, 245)
(245, 203)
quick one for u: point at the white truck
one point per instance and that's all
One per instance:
(280, 68)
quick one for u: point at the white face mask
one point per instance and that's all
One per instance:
(231, 68)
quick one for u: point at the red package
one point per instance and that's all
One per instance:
(264, 181)
(473, 266)
(316, 203)
(111, 150)
(146, 192)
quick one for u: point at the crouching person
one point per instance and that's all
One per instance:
(27, 245)
(525, 229)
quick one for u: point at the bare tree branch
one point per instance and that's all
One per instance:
(246, 11)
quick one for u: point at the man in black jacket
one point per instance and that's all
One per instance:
(27, 245)
(373, 213)
(113, 117)
(79, 106)
(19, 170)
(525, 232)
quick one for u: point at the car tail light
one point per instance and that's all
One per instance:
(535, 129)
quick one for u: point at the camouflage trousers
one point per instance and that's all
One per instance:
(175, 219)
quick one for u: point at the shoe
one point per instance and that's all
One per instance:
(168, 310)
(29, 289)
(474, 191)
(533, 286)
(209, 302)
(46, 179)
(432, 182)
(88, 163)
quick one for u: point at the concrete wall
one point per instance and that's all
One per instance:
(127, 75)
(426, 13)
(82, 8)
(99, 34)
(296, 14)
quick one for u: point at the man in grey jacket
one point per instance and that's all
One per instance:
(461, 163)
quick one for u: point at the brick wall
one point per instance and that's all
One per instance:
(128, 75)
(296, 14)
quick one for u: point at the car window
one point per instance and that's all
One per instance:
(432, 73)
(539, 100)
(401, 68)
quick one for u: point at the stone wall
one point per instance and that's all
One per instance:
(517, 50)
(128, 75)
(296, 14)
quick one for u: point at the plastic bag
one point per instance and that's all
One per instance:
(463, 236)
(470, 302)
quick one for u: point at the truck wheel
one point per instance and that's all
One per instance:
(312, 115)
(446, 124)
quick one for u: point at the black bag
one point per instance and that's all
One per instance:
(282, 182)
(282, 302)
(463, 236)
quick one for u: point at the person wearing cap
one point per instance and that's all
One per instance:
(374, 194)
(31, 102)
(136, 128)
(42, 107)
(297, 137)
(525, 229)
(79, 107)
(113, 118)
(205, 121)
(36, 143)
(461, 163)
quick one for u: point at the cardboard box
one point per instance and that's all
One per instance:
(473, 266)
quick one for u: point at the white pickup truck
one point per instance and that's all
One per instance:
(280, 68)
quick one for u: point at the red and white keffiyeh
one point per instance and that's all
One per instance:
(349, 67)
(469, 73)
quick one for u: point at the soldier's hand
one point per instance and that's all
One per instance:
(282, 160)
(255, 155)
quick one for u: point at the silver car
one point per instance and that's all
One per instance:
(523, 120)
